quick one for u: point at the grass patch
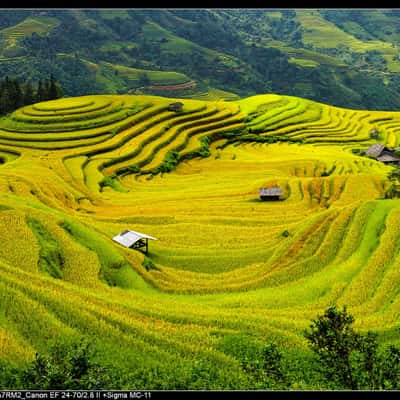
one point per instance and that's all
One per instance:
(148, 264)
(50, 256)
(113, 183)
(115, 270)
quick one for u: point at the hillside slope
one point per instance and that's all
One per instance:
(347, 58)
(77, 171)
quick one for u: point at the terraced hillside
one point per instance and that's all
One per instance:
(348, 58)
(76, 171)
(11, 37)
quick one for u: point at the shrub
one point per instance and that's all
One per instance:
(170, 162)
(112, 182)
(264, 362)
(65, 367)
(349, 359)
(333, 339)
(148, 264)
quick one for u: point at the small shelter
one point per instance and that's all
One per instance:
(382, 153)
(375, 150)
(273, 193)
(133, 240)
(388, 158)
(175, 106)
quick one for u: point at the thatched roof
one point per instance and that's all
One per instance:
(388, 158)
(375, 150)
(175, 106)
(274, 191)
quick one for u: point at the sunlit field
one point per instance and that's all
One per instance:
(77, 171)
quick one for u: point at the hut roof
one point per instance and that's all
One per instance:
(128, 238)
(175, 106)
(388, 158)
(274, 191)
(375, 150)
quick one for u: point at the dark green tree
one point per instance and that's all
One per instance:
(368, 373)
(333, 339)
(41, 92)
(46, 86)
(351, 360)
(6, 101)
(390, 368)
(28, 94)
(53, 92)
(15, 93)
(144, 79)
(273, 366)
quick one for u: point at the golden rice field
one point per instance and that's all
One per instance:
(77, 171)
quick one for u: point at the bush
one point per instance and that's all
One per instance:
(148, 264)
(350, 360)
(66, 366)
(112, 183)
(262, 361)
(333, 339)
(169, 164)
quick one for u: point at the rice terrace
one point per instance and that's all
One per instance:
(203, 200)
(77, 171)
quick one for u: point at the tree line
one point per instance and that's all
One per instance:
(14, 94)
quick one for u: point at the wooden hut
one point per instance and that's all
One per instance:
(375, 150)
(134, 240)
(382, 154)
(388, 158)
(270, 194)
(175, 106)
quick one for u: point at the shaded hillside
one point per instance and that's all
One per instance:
(347, 58)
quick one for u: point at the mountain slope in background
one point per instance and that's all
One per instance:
(348, 58)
